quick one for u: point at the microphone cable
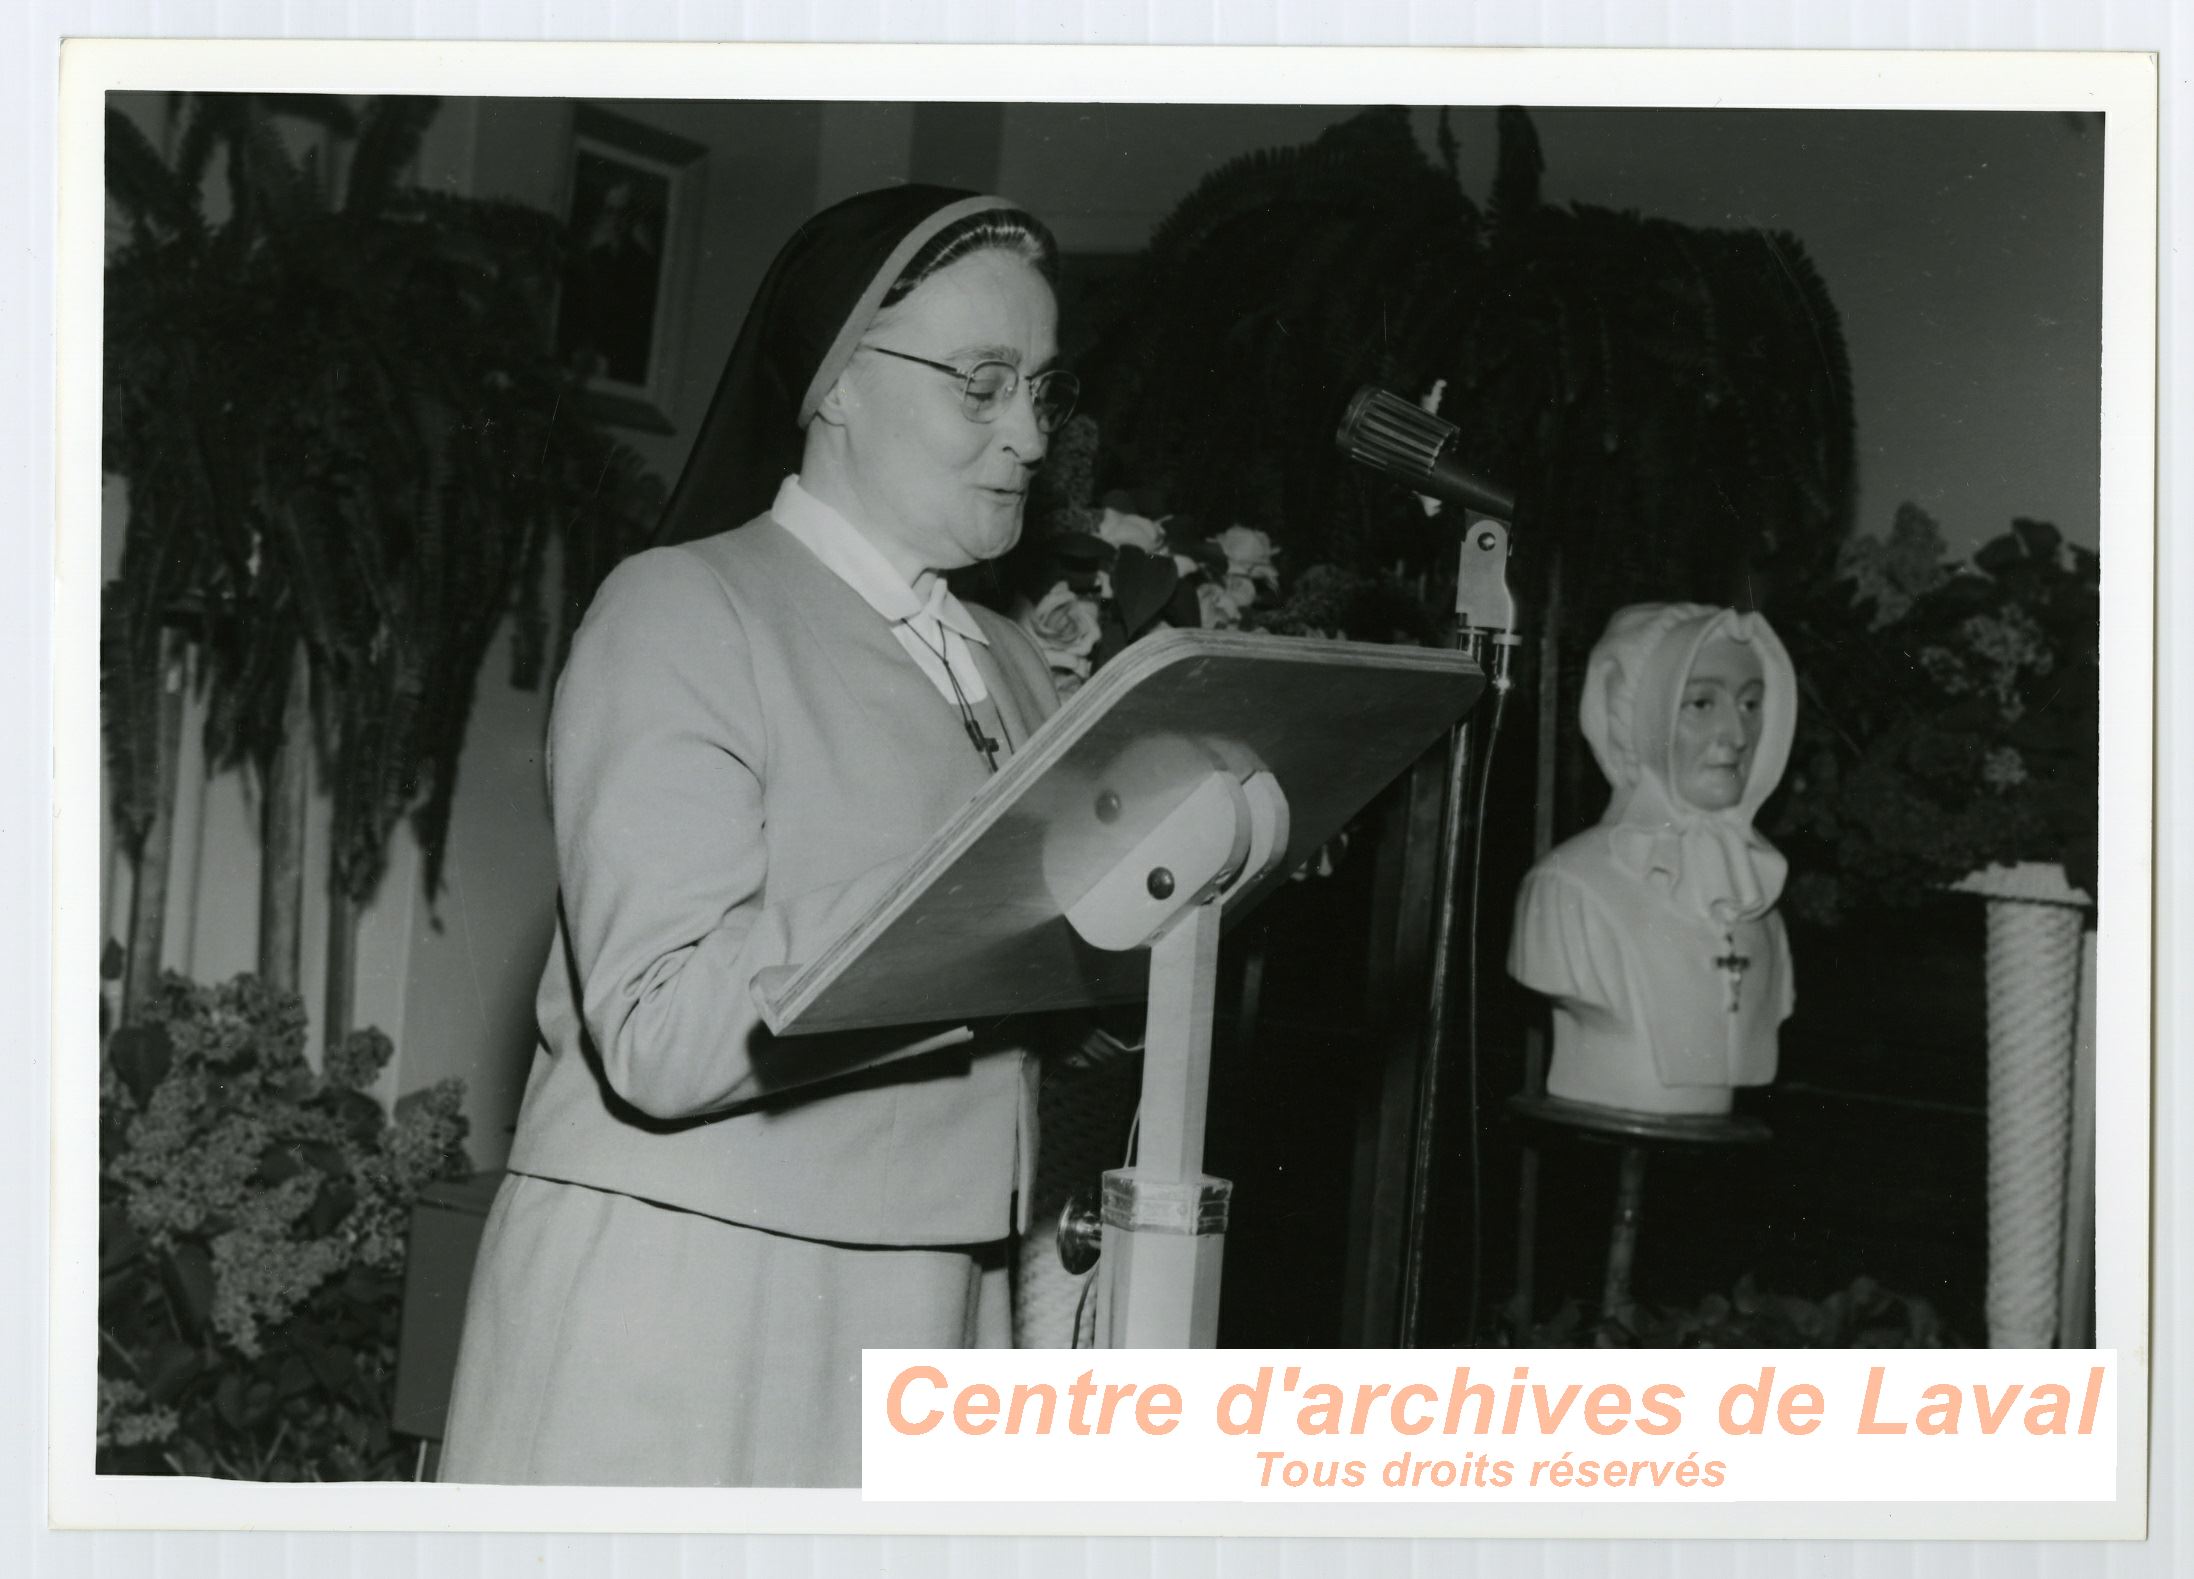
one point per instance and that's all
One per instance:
(1502, 683)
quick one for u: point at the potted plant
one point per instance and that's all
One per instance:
(349, 452)
(1951, 738)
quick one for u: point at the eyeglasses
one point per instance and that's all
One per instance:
(987, 386)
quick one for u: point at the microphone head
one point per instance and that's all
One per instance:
(1402, 440)
(1391, 435)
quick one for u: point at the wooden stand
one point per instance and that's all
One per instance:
(1634, 1134)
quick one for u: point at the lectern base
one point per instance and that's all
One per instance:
(1164, 1242)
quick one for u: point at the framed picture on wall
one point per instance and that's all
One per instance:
(632, 205)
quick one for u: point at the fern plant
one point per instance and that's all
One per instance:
(348, 444)
(1671, 405)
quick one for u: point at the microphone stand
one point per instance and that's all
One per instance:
(1485, 618)
(1409, 443)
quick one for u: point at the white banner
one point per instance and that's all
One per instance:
(1522, 1425)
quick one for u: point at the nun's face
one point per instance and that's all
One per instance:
(1718, 724)
(936, 489)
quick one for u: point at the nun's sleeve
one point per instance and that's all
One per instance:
(656, 755)
(1565, 944)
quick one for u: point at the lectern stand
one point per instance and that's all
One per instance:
(1101, 865)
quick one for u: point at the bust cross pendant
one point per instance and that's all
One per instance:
(1733, 965)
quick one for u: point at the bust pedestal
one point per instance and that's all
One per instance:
(1635, 1135)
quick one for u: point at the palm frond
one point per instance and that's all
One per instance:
(344, 433)
(276, 191)
(140, 181)
(388, 140)
(1519, 163)
(326, 110)
(210, 119)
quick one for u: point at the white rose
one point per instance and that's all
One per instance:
(1122, 530)
(1066, 628)
(1250, 556)
(1216, 607)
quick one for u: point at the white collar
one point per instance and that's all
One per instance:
(847, 552)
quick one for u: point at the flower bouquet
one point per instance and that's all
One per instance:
(1098, 573)
(1130, 574)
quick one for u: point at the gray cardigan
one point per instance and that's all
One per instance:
(741, 759)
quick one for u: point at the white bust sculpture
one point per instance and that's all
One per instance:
(1654, 932)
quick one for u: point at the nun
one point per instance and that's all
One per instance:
(1654, 932)
(761, 720)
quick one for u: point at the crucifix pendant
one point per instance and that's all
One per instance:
(985, 747)
(1733, 965)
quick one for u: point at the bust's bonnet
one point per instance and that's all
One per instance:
(1634, 685)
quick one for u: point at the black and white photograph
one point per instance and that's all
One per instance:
(737, 730)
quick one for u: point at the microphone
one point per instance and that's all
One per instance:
(1401, 440)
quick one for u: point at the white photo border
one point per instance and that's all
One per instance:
(2122, 87)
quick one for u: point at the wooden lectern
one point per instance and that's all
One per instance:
(1100, 865)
